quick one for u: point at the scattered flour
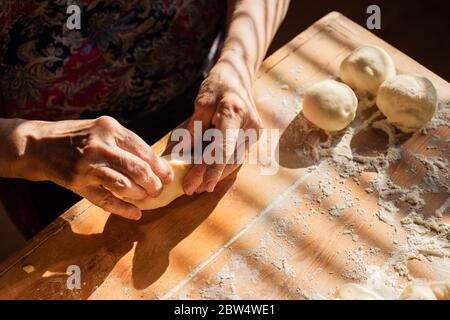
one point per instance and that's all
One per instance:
(427, 237)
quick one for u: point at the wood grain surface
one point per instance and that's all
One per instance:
(256, 236)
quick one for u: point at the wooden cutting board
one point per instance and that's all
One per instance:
(257, 237)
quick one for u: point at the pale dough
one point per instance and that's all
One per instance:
(170, 192)
(407, 101)
(330, 105)
(366, 68)
(29, 268)
(353, 291)
(430, 291)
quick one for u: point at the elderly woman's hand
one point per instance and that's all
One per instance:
(97, 159)
(225, 98)
(224, 102)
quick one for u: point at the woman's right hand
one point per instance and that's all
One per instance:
(97, 159)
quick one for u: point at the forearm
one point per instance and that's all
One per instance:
(13, 139)
(251, 26)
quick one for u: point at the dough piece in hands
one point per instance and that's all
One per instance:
(408, 101)
(366, 68)
(330, 105)
(353, 291)
(170, 191)
(432, 291)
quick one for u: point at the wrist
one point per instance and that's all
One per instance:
(239, 63)
(19, 160)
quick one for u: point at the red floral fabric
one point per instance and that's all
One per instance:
(131, 56)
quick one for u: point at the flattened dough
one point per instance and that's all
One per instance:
(170, 192)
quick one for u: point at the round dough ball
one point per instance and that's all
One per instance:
(330, 105)
(407, 101)
(366, 68)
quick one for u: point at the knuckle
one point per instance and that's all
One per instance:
(255, 123)
(232, 109)
(92, 172)
(148, 179)
(106, 122)
(239, 110)
(204, 102)
(143, 170)
(121, 184)
(92, 148)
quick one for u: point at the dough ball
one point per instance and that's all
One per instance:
(366, 68)
(330, 105)
(353, 291)
(432, 291)
(407, 101)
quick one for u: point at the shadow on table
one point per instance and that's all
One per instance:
(153, 237)
(300, 143)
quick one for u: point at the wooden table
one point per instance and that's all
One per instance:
(255, 237)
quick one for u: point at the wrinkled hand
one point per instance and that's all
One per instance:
(224, 102)
(99, 160)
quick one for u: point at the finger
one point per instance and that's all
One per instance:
(161, 168)
(230, 127)
(134, 144)
(193, 179)
(108, 202)
(229, 169)
(205, 106)
(211, 178)
(136, 169)
(202, 117)
(118, 183)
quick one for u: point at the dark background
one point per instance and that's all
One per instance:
(420, 29)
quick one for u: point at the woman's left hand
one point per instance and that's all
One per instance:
(224, 102)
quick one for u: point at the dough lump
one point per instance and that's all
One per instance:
(353, 291)
(366, 68)
(330, 105)
(432, 291)
(429, 291)
(170, 191)
(407, 101)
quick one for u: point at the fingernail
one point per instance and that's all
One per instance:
(188, 190)
(137, 215)
(210, 186)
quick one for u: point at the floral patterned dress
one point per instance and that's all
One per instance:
(130, 56)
